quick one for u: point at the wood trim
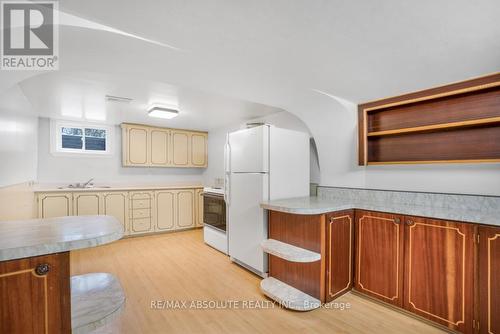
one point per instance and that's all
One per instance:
(462, 235)
(475, 81)
(436, 96)
(126, 125)
(424, 128)
(433, 162)
(322, 283)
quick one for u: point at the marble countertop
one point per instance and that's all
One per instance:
(26, 238)
(45, 188)
(315, 205)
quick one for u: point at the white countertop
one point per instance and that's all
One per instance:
(44, 188)
(26, 238)
(316, 205)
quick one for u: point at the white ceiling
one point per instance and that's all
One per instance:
(272, 52)
(81, 96)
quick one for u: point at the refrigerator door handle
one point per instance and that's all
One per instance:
(227, 180)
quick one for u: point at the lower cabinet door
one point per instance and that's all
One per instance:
(35, 295)
(379, 256)
(55, 205)
(340, 247)
(165, 210)
(116, 204)
(489, 279)
(439, 274)
(185, 208)
(86, 204)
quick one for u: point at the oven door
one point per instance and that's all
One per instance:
(214, 211)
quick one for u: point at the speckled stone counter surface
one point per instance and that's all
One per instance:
(472, 209)
(26, 238)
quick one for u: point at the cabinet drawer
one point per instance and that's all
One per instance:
(141, 203)
(141, 225)
(141, 213)
(139, 196)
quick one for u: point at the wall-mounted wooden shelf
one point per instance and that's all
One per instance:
(459, 122)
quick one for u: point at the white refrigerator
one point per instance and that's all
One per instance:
(262, 163)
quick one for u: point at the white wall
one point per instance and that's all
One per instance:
(217, 139)
(68, 169)
(333, 123)
(18, 139)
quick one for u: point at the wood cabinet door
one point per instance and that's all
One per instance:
(85, 204)
(339, 252)
(165, 210)
(180, 148)
(379, 256)
(489, 279)
(185, 208)
(439, 271)
(159, 147)
(137, 145)
(199, 154)
(116, 204)
(34, 298)
(55, 205)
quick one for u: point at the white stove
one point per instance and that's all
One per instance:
(214, 218)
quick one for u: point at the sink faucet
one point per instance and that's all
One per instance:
(84, 185)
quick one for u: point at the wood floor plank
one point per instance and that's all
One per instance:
(179, 266)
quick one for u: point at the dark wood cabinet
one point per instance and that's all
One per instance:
(35, 295)
(379, 256)
(489, 279)
(439, 271)
(339, 253)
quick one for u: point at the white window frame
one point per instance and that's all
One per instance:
(56, 138)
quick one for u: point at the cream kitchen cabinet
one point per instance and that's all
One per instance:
(163, 147)
(116, 204)
(199, 207)
(165, 207)
(141, 210)
(175, 209)
(86, 203)
(55, 205)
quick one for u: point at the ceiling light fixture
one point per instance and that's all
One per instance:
(111, 98)
(162, 112)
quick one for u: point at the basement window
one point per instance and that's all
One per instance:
(81, 138)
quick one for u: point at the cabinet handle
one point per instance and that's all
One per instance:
(397, 220)
(409, 222)
(42, 269)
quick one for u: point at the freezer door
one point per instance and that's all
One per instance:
(248, 150)
(247, 224)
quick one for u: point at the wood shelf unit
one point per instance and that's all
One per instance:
(456, 123)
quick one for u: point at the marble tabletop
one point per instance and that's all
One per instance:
(317, 205)
(26, 238)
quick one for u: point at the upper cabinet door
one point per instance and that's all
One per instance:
(379, 256)
(439, 260)
(199, 154)
(180, 148)
(160, 147)
(137, 145)
(248, 150)
(489, 279)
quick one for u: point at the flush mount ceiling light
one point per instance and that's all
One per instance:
(163, 112)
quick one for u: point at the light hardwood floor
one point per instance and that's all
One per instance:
(179, 266)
